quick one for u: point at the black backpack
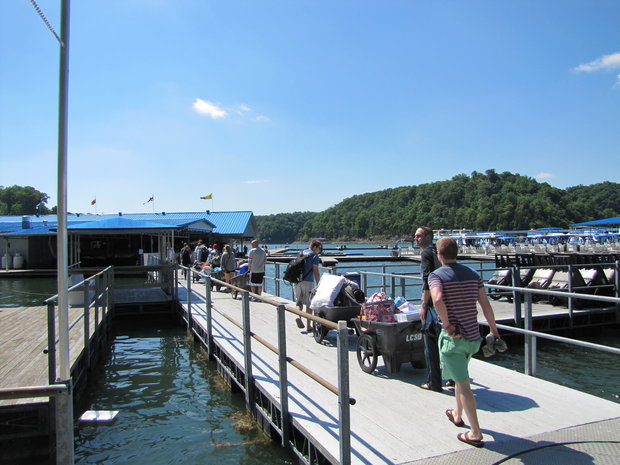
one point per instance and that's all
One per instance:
(294, 272)
(204, 254)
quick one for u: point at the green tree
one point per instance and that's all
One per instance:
(18, 200)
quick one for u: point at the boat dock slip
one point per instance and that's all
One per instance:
(394, 421)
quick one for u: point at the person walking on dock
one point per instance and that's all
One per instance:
(256, 267)
(186, 258)
(228, 263)
(428, 263)
(303, 289)
(456, 289)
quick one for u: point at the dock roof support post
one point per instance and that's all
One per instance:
(343, 394)
(286, 420)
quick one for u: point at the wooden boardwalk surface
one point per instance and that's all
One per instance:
(23, 337)
(394, 421)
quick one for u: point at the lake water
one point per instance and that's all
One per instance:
(173, 408)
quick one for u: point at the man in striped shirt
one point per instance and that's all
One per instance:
(455, 290)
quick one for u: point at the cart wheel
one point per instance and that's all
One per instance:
(367, 355)
(319, 331)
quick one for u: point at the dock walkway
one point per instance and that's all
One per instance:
(396, 422)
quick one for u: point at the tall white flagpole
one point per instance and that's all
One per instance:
(64, 405)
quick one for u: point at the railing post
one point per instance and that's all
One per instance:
(516, 295)
(570, 298)
(286, 420)
(98, 298)
(364, 282)
(189, 299)
(247, 351)
(383, 280)
(617, 285)
(86, 323)
(530, 341)
(344, 412)
(51, 342)
(403, 288)
(277, 280)
(176, 282)
(209, 304)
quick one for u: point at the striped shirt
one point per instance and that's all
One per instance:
(460, 286)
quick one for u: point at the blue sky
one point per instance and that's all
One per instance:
(280, 106)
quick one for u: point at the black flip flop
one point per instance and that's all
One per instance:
(451, 418)
(463, 438)
(300, 324)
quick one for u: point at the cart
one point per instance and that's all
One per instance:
(242, 281)
(397, 342)
(333, 314)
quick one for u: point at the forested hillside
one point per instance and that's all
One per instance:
(282, 228)
(483, 201)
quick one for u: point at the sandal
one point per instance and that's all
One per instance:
(472, 442)
(428, 387)
(450, 416)
(300, 324)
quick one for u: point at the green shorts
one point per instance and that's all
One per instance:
(454, 355)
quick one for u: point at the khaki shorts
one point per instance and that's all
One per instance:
(303, 292)
(454, 355)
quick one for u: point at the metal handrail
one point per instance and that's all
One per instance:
(342, 391)
(53, 390)
(553, 337)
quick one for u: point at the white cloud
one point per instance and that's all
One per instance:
(244, 108)
(256, 181)
(262, 118)
(207, 108)
(541, 176)
(606, 62)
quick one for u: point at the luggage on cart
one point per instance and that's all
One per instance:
(333, 314)
(345, 305)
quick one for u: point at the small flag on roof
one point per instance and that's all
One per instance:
(151, 199)
(94, 201)
(206, 197)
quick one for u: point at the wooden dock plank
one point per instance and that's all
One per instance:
(23, 337)
(394, 421)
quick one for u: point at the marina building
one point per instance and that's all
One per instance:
(117, 239)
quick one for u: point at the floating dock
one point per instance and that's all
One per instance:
(394, 421)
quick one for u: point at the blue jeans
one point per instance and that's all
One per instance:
(431, 355)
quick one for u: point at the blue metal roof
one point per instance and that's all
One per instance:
(119, 222)
(237, 223)
(614, 220)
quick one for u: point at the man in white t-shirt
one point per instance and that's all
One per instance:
(256, 267)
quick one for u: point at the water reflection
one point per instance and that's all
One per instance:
(172, 409)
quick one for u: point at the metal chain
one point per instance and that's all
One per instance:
(47, 23)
